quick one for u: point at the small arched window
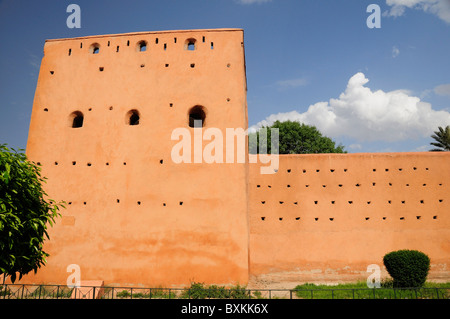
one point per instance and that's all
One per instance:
(142, 46)
(94, 48)
(132, 117)
(76, 119)
(190, 44)
(197, 116)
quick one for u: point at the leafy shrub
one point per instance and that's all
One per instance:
(4, 291)
(200, 291)
(257, 294)
(387, 283)
(140, 295)
(408, 268)
(217, 292)
(49, 292)
(123, 294)
(153, 293)
(238, 292)
(160, 293)
(196, 291)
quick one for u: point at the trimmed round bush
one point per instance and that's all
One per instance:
(408, 268)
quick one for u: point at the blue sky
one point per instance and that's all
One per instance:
(373, 90)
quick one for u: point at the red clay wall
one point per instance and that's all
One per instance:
(133, 216)
(327, 217)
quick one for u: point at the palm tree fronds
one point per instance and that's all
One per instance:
(442, 138)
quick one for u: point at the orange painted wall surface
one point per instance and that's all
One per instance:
(328, 216)
(133, 216)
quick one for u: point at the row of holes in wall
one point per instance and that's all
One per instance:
(316, 202)
(332, 218)
(180, 203)
(263, 202)
(196, 116)
(341, 185)
(141, 46)
(190, 44)
(332, 170)
(89, 164)
(142, 65)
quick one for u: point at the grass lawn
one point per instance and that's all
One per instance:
(361, 291)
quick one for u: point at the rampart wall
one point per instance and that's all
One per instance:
(326, 217)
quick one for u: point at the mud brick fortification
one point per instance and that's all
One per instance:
(103, 114)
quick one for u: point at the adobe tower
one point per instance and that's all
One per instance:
(101, 128)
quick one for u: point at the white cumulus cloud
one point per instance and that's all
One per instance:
(441, 8)
(366, 115)
(443, 89)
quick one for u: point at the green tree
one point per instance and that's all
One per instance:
(295, 138)
(442, 138)
(25, 212)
